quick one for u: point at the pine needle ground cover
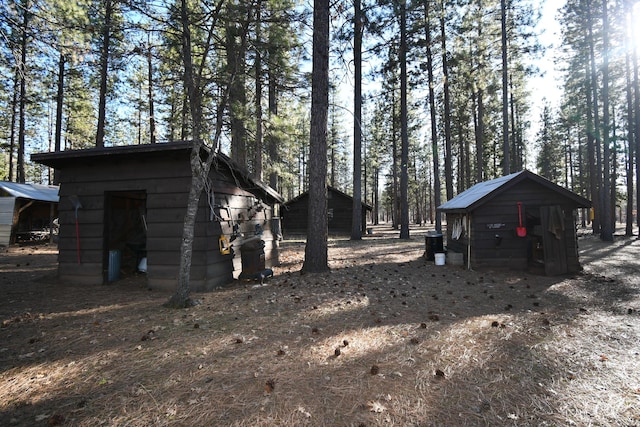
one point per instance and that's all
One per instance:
(384, 338)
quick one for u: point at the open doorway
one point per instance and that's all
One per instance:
(125, 234)
(535, 240)
(547, 240)
(555, 246)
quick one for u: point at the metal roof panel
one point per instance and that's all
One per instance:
(475, 193)
(40, 192)
(483, 191)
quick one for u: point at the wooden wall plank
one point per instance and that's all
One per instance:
(165, 182)
(503, 209)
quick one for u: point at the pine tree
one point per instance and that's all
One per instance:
(316, 249)
(197, 88)
(550, 156)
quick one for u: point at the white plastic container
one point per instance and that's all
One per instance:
(440, 258)
(142, 267)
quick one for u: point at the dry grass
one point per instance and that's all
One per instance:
(384, 338)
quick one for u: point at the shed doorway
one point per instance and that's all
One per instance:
(547, 240)
(555, 248)
(125, 234)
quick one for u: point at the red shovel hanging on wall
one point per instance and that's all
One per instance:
(520, 230)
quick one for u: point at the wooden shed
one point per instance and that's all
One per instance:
(519, 221)
(122, 210)
(27, 211)
(295, 213)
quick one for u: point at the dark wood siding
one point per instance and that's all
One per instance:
(456, 245)
(512, 251)
(339, 209)
(295, 216)
(165, 182)
(340, 212)
(494, 242)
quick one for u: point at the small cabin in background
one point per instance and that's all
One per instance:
(519, 221)
(295, 213)
(27, 212)
(124, 206)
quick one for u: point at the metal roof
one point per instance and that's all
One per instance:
(484, 191)
(40, 192)
(471, 195)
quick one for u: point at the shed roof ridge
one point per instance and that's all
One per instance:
(482, 191)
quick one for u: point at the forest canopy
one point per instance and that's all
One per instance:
(102, 73)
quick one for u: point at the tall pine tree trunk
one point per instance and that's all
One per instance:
(506, 161)
(257, 162)
(20, 174)
(356, 219)
(462, 158)
(630, 119)
(516, 152)
(448, 171)
(480, 137)
(332, 140)
(184, 128)
(271, 140)
(59, 102)
(593, 88)
(57, 141)
(608, 214)
(376, 197)
(591, 158)
(181, 298)
(404, 131)
(152, 119)
(636, 112)
(236, 63)
(395, 207)
(199, 167)
(14, 118)
(432, 112)
(316, 249)
(104, 69)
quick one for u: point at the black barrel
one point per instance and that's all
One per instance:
(253, 257)
(433, 245)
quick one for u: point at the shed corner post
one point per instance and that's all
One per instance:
(469, 241)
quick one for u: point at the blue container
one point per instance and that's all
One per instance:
(114, 266)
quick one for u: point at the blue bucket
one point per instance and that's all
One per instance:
(114, 266)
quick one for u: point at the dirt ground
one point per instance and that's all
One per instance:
(384, 338)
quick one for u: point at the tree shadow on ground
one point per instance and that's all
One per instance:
(451, 347)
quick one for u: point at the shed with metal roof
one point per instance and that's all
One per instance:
(519, 221)
(26, 211)
(122, 211)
